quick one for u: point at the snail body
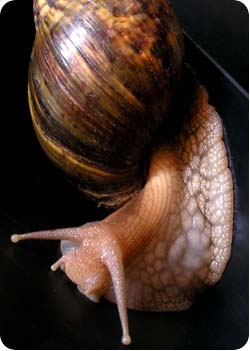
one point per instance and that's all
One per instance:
(168, 241)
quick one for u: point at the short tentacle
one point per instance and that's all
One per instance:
(57, 264)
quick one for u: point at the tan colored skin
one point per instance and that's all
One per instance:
(171, 240)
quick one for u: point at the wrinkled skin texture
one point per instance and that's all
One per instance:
(171, 240)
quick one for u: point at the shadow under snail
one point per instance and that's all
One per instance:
(103, 80)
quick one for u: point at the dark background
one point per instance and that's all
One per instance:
(221, 28)
(43, 310)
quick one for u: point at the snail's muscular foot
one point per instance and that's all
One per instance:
(172, 239)
(189, 211)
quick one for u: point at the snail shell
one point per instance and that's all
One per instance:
(101, 80)
(99, 88)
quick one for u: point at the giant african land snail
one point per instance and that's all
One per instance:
(102, 79)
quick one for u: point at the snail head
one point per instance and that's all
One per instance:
(92, 260)
(84, 266)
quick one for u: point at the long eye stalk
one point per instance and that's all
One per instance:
(73, 234)
(113, 260)
(110, 255)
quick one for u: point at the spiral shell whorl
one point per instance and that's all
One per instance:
(100, 84)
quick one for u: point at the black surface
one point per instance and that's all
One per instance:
(43, 310)
(221, 27)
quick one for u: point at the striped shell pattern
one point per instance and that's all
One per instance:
(101, 78)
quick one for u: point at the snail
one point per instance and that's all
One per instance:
(103, 81)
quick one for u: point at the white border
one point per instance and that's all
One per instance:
(2, 3)
(246, 3)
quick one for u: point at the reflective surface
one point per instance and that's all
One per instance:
(42, 309)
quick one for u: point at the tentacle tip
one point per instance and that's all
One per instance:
(15, 238)
(57, 264)
(126, 340)
(53, 268)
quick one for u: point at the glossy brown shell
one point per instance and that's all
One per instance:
(100, 84)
